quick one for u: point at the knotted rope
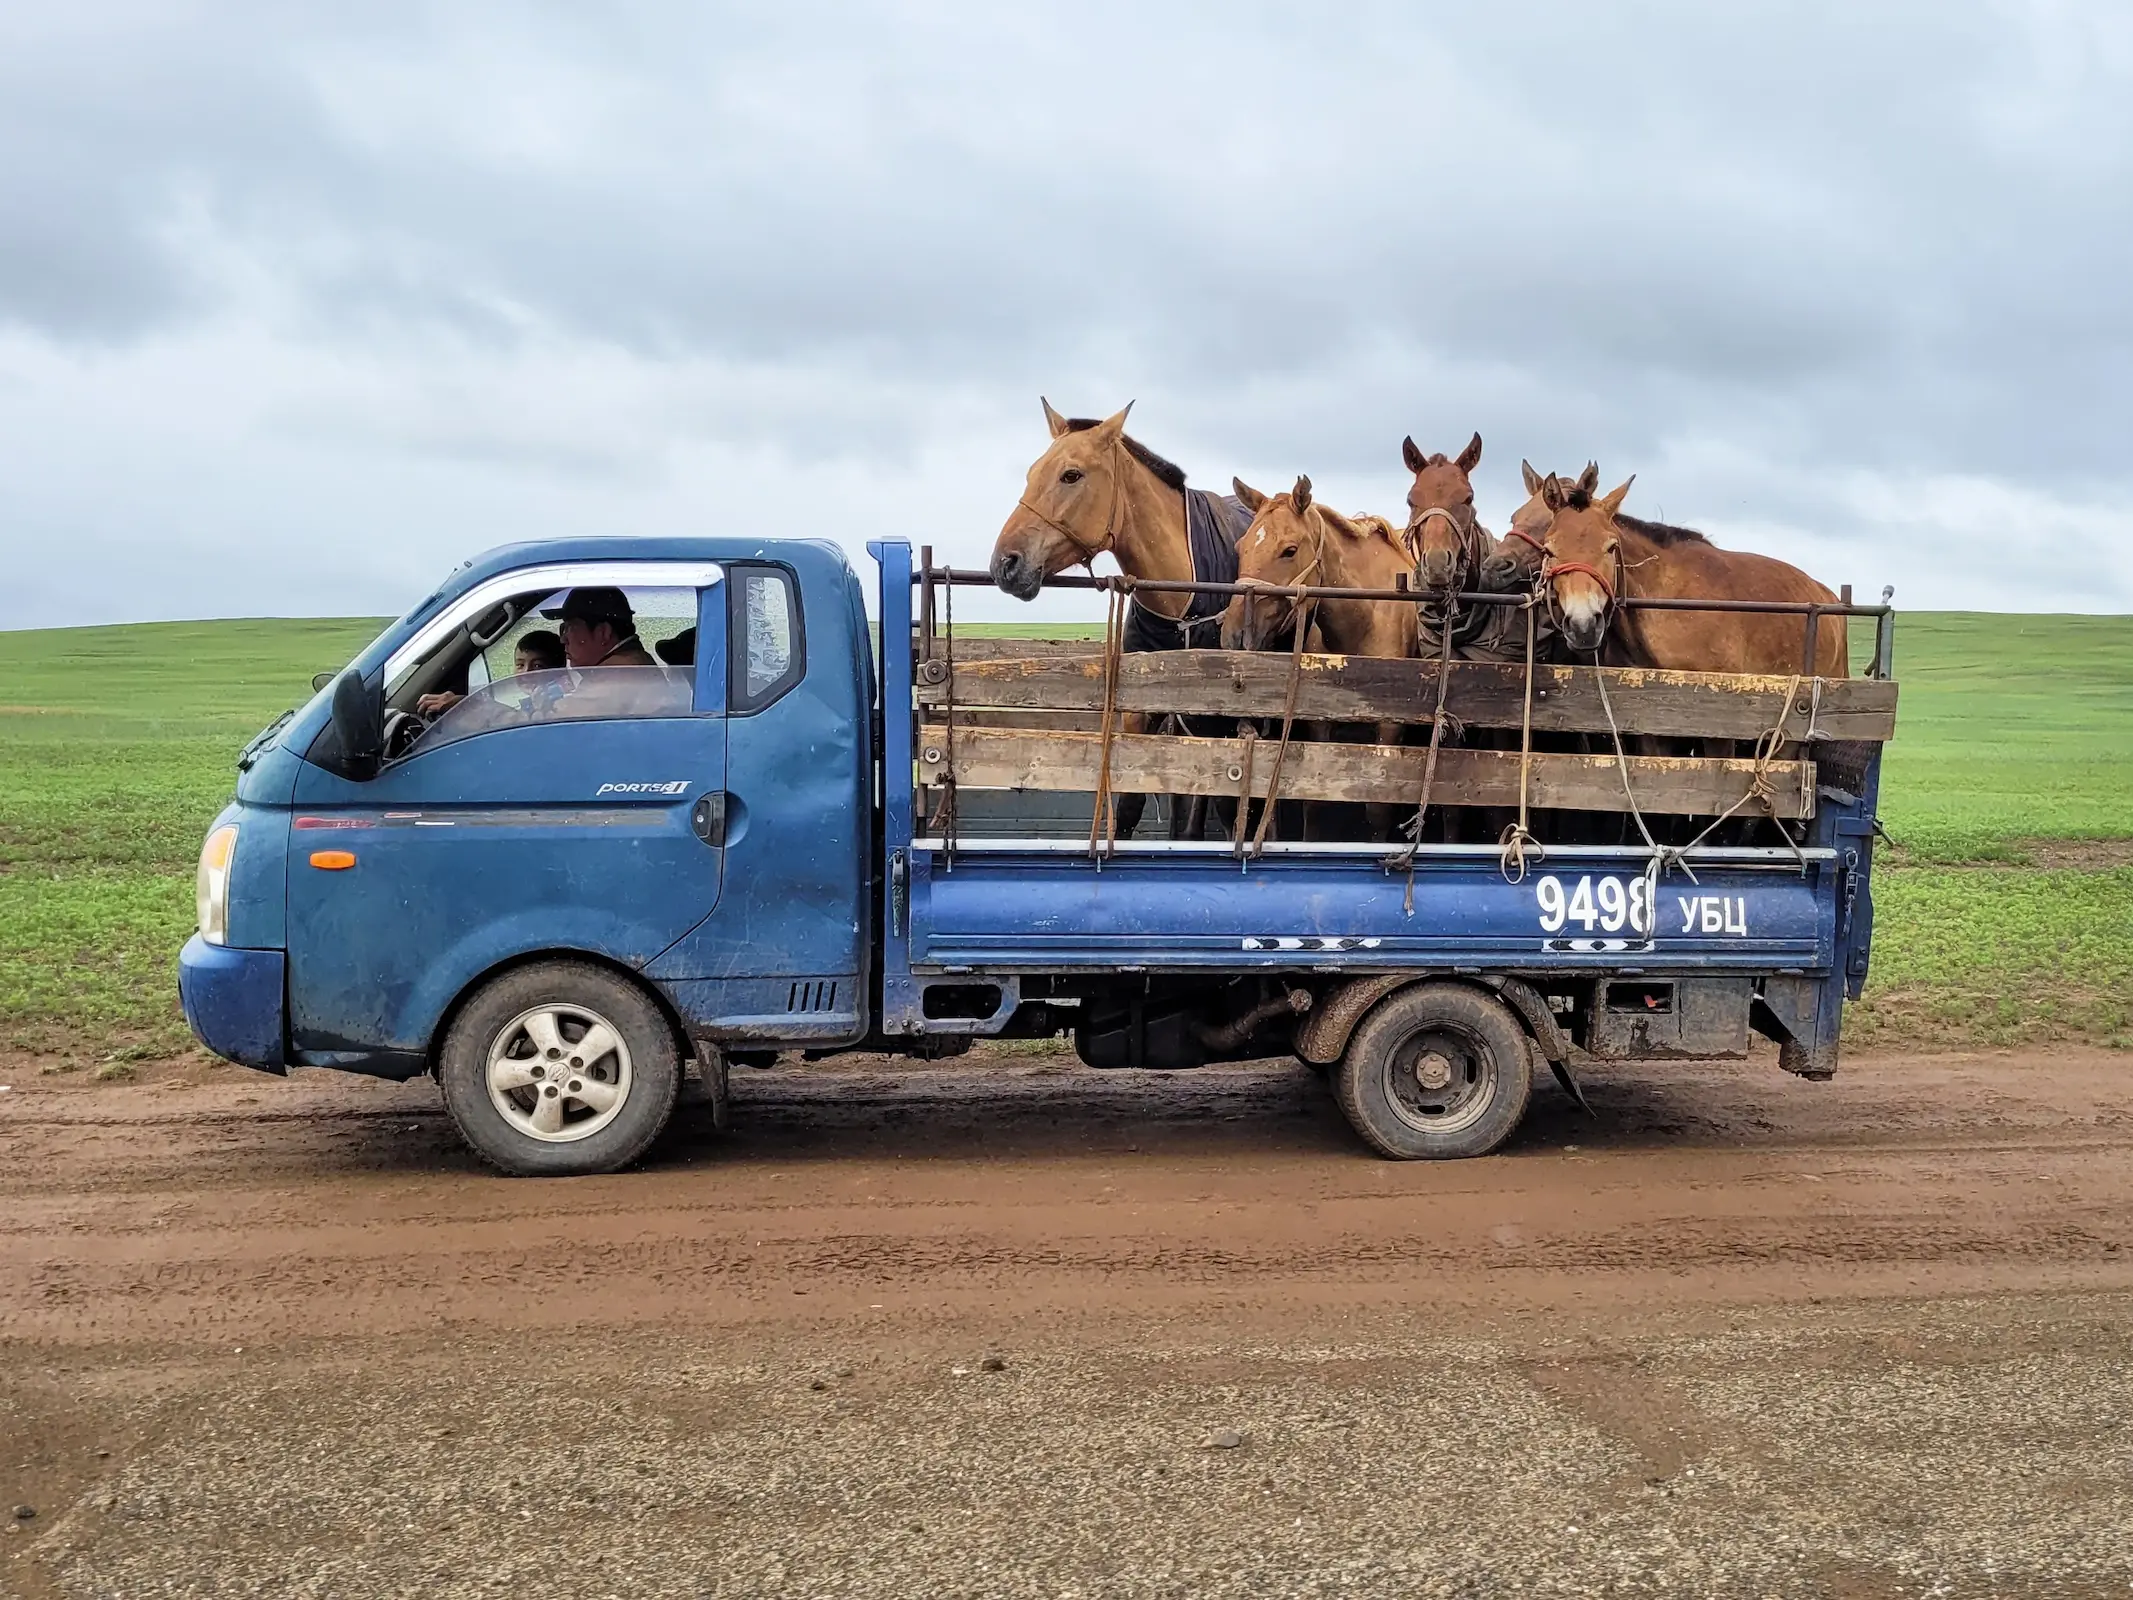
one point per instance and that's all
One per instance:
(1103, 823)
(1518, 843)
(1300, 613)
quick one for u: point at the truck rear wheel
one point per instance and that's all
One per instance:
(560, 1069)
(1435, 1072)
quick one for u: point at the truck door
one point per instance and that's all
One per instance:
(561, 810)
(783, 957)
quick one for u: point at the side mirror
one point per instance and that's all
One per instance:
(359, 723)
(319, 680)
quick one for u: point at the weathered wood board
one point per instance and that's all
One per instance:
(1002, 758)
(973, 648)
(1372, 689)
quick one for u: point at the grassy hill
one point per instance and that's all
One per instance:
(2006, 913)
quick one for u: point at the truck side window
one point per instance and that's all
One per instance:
(769, 645)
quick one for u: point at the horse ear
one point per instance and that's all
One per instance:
(1301, 495)
(1254, 501)
(1533, 479)
(1053, 419)
(1611, 502)
(1470, 457)
(1109, 430)
(1589, 479)
(1411, 454)
(1551, 493)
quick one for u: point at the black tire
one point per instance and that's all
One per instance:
(1386, 1079)
(638, 1080)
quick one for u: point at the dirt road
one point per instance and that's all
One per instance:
(1019, 1328)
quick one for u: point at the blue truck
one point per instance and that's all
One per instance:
(559, 890)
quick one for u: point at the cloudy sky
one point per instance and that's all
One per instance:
(301, 306)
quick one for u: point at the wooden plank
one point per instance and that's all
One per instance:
(974, 649)
(997, 758)
(1373, 689)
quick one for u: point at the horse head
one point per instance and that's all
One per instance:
(1070, 506)
(1282, 548)
(1517, 561)
(1444, 536)
(1582, 571)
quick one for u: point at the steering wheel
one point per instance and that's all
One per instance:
(402, 729)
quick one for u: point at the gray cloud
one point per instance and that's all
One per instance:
(1814, 272)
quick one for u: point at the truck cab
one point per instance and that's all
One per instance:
(636, 857)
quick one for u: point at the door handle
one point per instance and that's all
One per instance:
(708, 818)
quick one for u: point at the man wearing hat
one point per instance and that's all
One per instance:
(599, 629)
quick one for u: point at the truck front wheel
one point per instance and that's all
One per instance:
(560, 1069)
(1434, 1072)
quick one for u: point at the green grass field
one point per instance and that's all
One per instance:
(2006, 913)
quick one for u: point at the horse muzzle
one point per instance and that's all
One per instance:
(1499, 574)
(1016, 574)
(1440, 570)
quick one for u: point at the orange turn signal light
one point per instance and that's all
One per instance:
(333, 860)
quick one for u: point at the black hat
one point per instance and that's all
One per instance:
(595, 606)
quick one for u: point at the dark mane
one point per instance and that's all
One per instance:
(1661, 532)
(1170, 472)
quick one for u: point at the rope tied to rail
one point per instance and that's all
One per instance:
(1406, 861)
(1760, 789)
(1518, 844)
(1103, 823)
(1248, 740)
(1301, 610)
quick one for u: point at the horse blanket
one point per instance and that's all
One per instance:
(1213, 525)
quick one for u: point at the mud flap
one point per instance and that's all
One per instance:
(711, 1062)
(1563, 1076)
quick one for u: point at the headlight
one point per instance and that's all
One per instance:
(211, 889)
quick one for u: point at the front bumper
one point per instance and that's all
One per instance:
(233, 1002)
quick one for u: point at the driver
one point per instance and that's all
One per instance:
(599, 630)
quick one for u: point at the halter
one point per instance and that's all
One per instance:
(1469, 532)
(1089, 552)
(1293, 588)
(1551, 570)
(1524, 537)
(1460, 629)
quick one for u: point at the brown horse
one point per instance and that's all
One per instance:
(1096, 489)
(1596, 558)
(1295, 538)
(1444, 535)
(1518, 558)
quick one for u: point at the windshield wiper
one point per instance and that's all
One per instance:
(263, 740)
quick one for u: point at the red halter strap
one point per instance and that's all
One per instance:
(1521, 534)
(1556, 569)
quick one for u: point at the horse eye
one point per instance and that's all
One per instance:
(1289, 552)
(1071, 475)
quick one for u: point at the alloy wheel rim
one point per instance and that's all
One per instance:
(558, 1073)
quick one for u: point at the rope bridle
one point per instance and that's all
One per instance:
(1610, 585)
(1301, 608)
(1086, 554)
(1468, 529)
